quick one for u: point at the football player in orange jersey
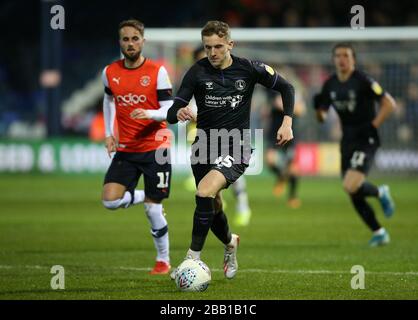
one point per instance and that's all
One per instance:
(132, 83)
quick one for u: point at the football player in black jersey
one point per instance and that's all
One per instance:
(239, 187)
(353, 94)
(222, 85)
(281, 160)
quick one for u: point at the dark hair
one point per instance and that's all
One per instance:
(138, 25)
(344, 45)
(221, 29)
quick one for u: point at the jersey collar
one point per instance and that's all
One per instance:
(125, 67)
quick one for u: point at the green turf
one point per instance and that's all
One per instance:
(284, 254)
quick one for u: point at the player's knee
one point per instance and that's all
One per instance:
(204, 193)
(269, 162)
(111, 204)
(293, 169)
(112, 192)
(111, 196)
(350, 188)
(270, 158)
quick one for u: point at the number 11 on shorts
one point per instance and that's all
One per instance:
(163, 179)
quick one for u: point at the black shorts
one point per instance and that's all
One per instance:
(227, 165)
(231, 162)
(127, 167)
(357, 156)
(231, 173)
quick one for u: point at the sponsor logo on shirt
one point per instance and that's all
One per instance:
(130, 99)
(218, 102)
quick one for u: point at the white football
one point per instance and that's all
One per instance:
(193, 275)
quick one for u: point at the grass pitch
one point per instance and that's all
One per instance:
(285, 253)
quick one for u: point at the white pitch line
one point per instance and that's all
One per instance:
(408, 273)
(25, 266)
(133, 269)
(390, 273)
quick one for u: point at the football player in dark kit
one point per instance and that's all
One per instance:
(222, 85)
(281, 160)
(353, 94)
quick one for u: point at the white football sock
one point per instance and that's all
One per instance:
(240, 191)
(379, 232)
(242, 203)
(124, 202)
(139, 196)
(159, 230)
(193, 254)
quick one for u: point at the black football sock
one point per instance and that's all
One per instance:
(202, 221)
(365, 211)
(293, 182)
(368, 189)
(220, 227)
(276, 170)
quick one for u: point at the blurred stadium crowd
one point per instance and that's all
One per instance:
(90, 42)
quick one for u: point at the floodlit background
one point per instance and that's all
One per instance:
(51, 88)
(52, 156)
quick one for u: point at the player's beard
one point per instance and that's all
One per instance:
(132, 57)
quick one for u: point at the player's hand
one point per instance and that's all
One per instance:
(321, 115)
(140, 114)
(185, 114)
(110, 143)
(285, 132)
